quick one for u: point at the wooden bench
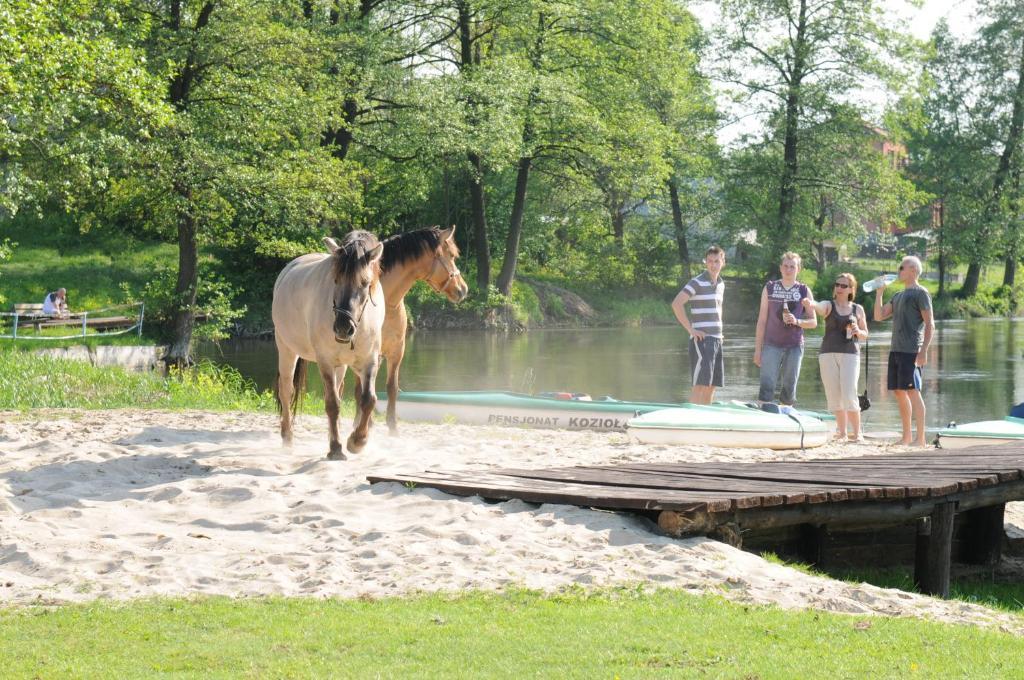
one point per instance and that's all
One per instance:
(31, 314)
(103, 323)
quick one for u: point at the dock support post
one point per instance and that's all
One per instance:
(934, 550)
(983, 535)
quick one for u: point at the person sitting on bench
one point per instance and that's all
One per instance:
(56, 304)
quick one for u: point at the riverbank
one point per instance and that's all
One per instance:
(128, 503)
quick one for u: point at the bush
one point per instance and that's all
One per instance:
(214, 298)
(988, 301)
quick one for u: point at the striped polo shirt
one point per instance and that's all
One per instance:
(706, 304)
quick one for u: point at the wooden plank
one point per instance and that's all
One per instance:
(789, 493)
(537, 492)
(839, 478)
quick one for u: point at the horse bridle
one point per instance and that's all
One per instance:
(355, 320)
(453, 273)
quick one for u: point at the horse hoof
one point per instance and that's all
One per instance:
(336, 453)
(356, 445)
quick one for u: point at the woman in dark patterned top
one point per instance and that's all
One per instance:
(839, 357)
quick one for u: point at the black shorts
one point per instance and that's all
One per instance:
(706, 361)
(904, 373)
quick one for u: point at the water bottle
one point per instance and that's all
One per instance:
(879, 282)
(849, 331)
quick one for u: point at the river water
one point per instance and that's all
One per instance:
(976, 370)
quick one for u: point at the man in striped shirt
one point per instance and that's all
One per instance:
(704, 293)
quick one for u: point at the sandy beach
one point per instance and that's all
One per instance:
(127, 504)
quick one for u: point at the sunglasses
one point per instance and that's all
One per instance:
(840, 285)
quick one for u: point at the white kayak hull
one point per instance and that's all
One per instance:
(984, 433)
(506, 416)
(510, 409)
(755, 430)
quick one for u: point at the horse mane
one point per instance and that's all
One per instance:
(349, 259)
(412, 245)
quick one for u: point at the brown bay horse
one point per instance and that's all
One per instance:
(329, 308)
(423, 255)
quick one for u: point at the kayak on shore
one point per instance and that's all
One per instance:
(571, 411)
(728, 428)
(964, 435)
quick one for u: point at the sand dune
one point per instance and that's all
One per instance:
(123, 504)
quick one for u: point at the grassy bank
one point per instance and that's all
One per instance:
(605, 634)
(28, 381)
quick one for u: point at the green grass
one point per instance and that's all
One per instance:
(95, 268)
(998, 594)
(29, 381)
(621, 633)
(990, 592)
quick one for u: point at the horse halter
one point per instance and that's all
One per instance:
(355, 320)
(453, 274)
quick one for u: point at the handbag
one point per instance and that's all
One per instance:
(865, 403)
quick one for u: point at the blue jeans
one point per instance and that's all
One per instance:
(776, 361)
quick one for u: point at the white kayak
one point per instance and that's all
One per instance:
(512, 409)
(962, 436)
(730, 428)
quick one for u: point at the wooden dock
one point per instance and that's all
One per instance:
(729, 500)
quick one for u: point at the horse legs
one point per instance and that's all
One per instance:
(366, 399)
(286, 363)
(394, 363)
(332, 404)
(357, 389)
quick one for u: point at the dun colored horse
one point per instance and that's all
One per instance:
(329, 308)
(422, 255)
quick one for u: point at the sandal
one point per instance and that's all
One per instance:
(858, 439)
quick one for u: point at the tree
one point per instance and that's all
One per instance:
(74, 99)
(970, 143)
(796, 62)
(244, 139)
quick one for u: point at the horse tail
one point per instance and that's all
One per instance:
(299, 384)
(298, 387)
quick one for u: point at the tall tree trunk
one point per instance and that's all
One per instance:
(819, 256)
(469, 59)
(1010, 269)
(515, 222)
(618, 221)
(179, 95)
(680, 229)
(942, 249)
(180, 352)
(478, 211)
(787, 185)
(971, 280)
(1006, 161)
(515, 228)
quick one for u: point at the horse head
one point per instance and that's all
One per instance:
(444, 276)
(356, 273)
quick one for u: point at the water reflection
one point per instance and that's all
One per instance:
(976, 370)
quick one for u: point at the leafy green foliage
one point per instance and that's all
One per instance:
(213, 303)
